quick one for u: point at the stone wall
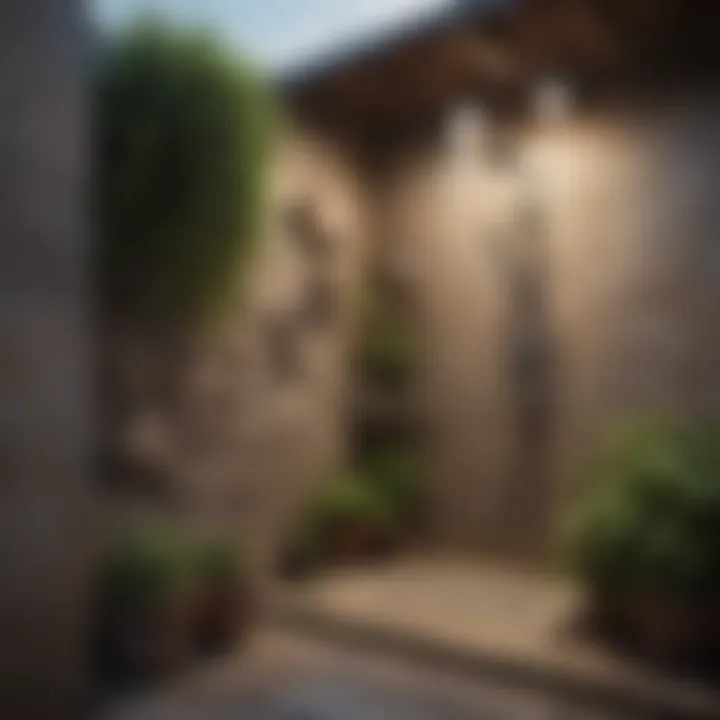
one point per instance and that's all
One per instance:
(617, 213)
(233, 424)
(560, 292)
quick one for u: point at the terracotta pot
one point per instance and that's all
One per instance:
(223, 617)
(351, 543)
(712, 621)
(411, 544)
(151, 644)
(671, 628)
(608, 610)
(384, 544)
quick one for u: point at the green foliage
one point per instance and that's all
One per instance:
(650, 514)
(389, 351)
(143, 570)
(220, 563)
(184, 137)
(399, 476)
(148, 568)
(345, 502)
(350, 500)
(390, 356)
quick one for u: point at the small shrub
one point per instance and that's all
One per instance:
(145, 596)
(161, 593)
(649, 518)
(348, 520)
(145, 570)
(349, 499)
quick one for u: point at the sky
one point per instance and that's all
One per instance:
(276, 32)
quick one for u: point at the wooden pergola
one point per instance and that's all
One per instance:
(499, 49)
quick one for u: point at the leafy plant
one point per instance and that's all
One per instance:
(349, 518)
(184, 131)
(164, 593)
(649, 516)
(349, 500)
(389, 351)
(390, 356)
(400, 477)
(220, 563)
(145, 569)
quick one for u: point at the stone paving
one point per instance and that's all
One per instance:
(505, 609)
(281, 677)
(485, 619)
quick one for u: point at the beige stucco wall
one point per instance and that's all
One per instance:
(628, 218)
(236, 422)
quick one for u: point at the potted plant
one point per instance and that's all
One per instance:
(646, 538)
(145, 604)
(351, 518)
(224, 601)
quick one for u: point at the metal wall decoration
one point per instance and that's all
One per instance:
(320, 302)
(318, 306)
(304, 226)
(282, 344)
(320, 298)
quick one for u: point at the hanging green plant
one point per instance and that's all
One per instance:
(389, 352)
(184, 131)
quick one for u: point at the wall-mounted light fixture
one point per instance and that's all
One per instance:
(552, 101)
(467, 126)
(465, 133)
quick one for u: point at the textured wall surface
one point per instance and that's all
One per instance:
(618, 214)
(633, 220)
(560, 293)
(235, 423)
(45, 378)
